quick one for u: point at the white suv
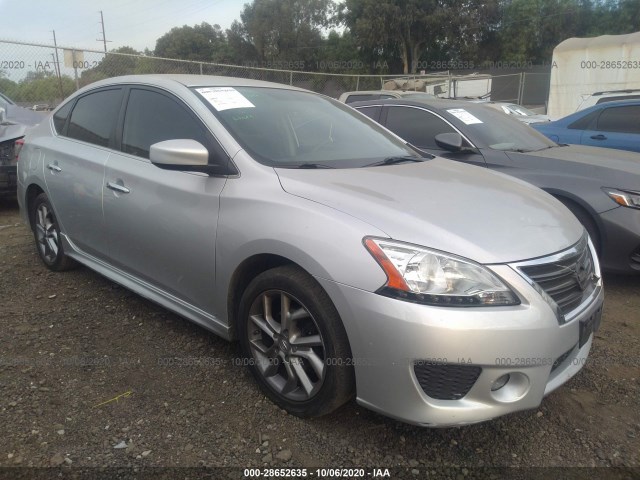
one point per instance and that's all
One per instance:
(608, 96)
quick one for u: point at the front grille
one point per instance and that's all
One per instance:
(568, 281)
(444, 381)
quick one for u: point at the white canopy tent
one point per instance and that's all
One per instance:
(583, 66)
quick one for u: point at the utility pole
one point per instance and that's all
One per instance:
(104, 35)
(57, 64)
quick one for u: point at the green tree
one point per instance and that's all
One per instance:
(414, 28)
(202, 42)
(286, 30)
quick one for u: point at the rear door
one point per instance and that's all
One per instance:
(616, 127)
(74, 163)
(162, 223)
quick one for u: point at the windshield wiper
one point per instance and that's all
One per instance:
(396, 160)
(304, 165)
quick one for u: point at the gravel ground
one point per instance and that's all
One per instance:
(72, 341)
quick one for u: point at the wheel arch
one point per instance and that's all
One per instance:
(577, 202)
(30, 195)
(246, 271)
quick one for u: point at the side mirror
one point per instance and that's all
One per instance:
(182, 154)
(449, 141)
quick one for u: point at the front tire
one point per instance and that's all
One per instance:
(294, 343)
(47, 235)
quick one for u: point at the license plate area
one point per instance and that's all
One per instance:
(589, 325)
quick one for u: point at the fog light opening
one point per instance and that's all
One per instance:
(500, 382)
(510, 387)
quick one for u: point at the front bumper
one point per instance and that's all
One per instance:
(621, 242)
(389, 336)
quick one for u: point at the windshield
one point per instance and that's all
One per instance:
(491, 128)
(288, 128)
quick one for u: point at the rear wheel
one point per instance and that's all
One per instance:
(47, 235)
(294, 342)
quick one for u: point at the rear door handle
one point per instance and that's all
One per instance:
(117, 187)
(54, 168)
(599, 137)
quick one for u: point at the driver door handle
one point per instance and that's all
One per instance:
(117, 187)
(599, 137)
(54, 168)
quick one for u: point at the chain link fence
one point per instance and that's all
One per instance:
(40, 76)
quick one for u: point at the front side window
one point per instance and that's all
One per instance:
(94, 117)
(416, 126)
(152, 117)
(620, 119)
(291, 129)
(584, 122)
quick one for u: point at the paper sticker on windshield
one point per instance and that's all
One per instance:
(224, 98)
(465, 116)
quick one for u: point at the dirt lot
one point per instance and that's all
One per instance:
(74, 340)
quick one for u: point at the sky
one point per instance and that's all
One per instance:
(134, 23)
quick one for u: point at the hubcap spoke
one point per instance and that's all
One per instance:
(314, 360)
(267, 304)
(302, 376)
(292, 380)
(285, 307)
(263, 325)
(308, 341)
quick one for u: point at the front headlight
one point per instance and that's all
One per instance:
(430, 277)
(625, 198)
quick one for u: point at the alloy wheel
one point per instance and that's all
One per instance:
(46, 233)
(286, 345)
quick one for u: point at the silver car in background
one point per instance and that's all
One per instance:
(344, 263)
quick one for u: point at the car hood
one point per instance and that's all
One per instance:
(445, 205)
(619, 168)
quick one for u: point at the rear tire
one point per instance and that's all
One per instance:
(294, 343)
(46, 232)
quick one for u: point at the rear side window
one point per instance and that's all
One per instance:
(620, 119)
(416, 126)
(60, 117)
(153, 117)
(361, 98)
(94, 117)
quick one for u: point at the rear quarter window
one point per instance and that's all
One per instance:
(60, 118)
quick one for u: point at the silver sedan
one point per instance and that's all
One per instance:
(345, 264)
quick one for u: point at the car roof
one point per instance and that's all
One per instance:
(186, 80)
(434, 104)
(615, 103)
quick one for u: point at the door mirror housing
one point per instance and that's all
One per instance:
(184, 155)
(449, 141)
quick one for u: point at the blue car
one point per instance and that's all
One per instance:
(609, 125)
